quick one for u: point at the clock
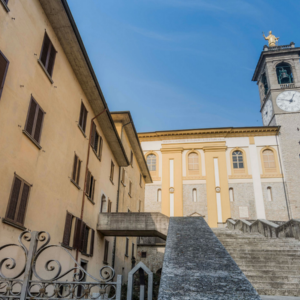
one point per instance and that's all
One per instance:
(267, 112)
(289, 101)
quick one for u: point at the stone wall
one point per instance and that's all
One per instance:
(151, 203)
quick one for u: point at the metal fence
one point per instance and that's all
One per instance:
(28, 283)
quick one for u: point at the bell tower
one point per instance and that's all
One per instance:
(278, 78)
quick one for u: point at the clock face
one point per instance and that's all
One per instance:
(267, 112)
(289, 101)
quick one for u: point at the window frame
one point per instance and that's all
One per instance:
(76, 169)
(123, 177)
(103, 200)
(152, 164)
(84, 113)
(240, 172)
(269, 194)
(130, 189)
(5, 73)
(131, 158)
(112, 170)
(127, 247)
(231, 194)
(194, 191)
(159, 195)
(90, 186)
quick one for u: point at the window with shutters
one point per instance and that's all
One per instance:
(90, 186)
(132, 251)
(3, 71)
(96, 142)
(82, 118)
(109, 206)
(123, 177)
(103, 208)
(18, 201)
(34, 122)
(76, 171)
(126, 247)
(106, 248)
(141, 180)
(68, 230)
(130, 188)
(47, 57)
(131, 158)
(111, 177)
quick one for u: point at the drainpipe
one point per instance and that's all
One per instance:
(86, 169)
(117, 206)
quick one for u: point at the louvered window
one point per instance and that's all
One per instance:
(90, 186)
(123, 176)
(106, 247)
(67, 230)
(3, 71)
(82, 117)
(48, 55)
(96, 142)
(76, 170)
(103, 204)
(18, 201)
(34, 122)
(130, 188)
(131, 158)
(112, 167)
(109, 206)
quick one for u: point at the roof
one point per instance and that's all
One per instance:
(124, 117)
(63, 24)
(209, 132)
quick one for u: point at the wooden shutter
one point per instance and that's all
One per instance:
(52, 56)
(92, 242)
(77, 234)
(23, 204)
(67, 230)
(100, 147)
(74, 167)
(13, 201)
(38, 125)
(3, 71)
(82, 236)
(31, 117)
(93, 135)
(84, 118)
(45, 50)
(88, 182)
(93, 187)
(85, 237)
(78, 171)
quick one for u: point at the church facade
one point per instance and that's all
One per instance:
(241, 173)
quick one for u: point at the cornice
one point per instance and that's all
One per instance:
(171, 150)
(214, 149)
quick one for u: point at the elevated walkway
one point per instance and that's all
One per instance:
(197, 266)
(133, 224)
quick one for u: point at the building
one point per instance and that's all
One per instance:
(62, 150)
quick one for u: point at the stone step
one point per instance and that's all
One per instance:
(272, 278)
(282, 259)
(242, 261)
(264, 251)
(263, 240)
(279, 292)
(264, 272)
(267, 247)
(275, 285)
(263, 297)
(261, 266)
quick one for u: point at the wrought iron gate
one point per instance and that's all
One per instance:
(29, 284)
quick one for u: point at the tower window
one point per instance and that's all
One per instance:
(151, 162)
(238, 160)
(264, 82)
(284, 73)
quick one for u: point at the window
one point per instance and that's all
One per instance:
(112, 167)
(48, 54)
(144, 254)
(269, 161)
(126, 247)
(159, 195)
(96, 142)
(109, 206)
(264, 83)
(34, 122)
(151, 162)
(18, 201)
(140, 206)
(90, 186)
(231, 194)
(284, 73)
(130, 188)
(141, 180)
(76, 170)
(237, 159)
(132, 251)
(131, 158)
(194, 195)
(3, 71)
(193, 161)
(68, 230)
(123, 176)
(103, 204)
(269, 191)
(82, 117)
(106, 247)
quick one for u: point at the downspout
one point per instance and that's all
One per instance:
(86, 169)
(117, 206)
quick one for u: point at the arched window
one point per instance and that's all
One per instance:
(151, 162)
(264, 82)
(193, 161)
(284, 73)
(231, 195)
(269, 161)
(238, 160)
(194, 195)
(159, 195)
(269, 192)
(103, 204)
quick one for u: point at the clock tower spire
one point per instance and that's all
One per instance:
(278, 78)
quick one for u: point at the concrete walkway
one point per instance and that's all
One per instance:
(278, 298)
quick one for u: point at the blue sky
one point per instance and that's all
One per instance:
(179, 64)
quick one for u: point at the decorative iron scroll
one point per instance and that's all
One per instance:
(29, 284)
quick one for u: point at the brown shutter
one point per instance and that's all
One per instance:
(88, 182)
(31, 116)
(39, 124)
(77, 234)
(67, 230)
(93, 188)
(93, 135)
(84, 118)
(74, 167)
(45, 48)
(82, 236)
(3, 70)
(51, 60)
(101, 147)
(23, 204)
(13, 201)
(81, 116)
(92, 242)
(78, 171)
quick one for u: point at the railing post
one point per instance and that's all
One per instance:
(28, 271)
(119, 287)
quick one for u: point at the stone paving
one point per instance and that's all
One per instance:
(197, 266)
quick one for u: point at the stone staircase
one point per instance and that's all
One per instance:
(272, 265)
